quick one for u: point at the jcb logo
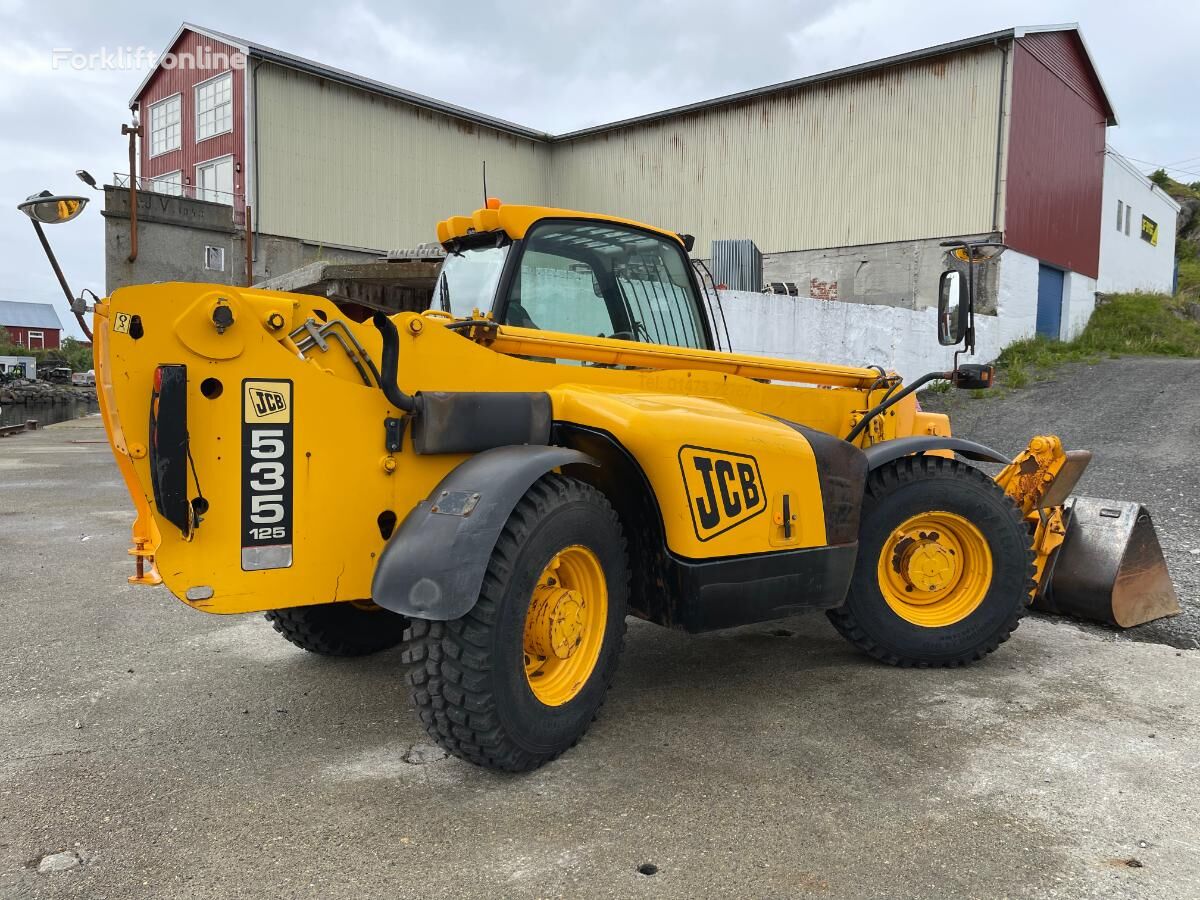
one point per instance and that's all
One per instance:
(724, 489)
(265, 402)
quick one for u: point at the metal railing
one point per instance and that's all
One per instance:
(150, 185)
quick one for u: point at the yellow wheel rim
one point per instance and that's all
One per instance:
(564, 628)
(935, 569)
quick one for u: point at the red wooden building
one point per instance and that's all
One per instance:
(34, 326)
(193, 115)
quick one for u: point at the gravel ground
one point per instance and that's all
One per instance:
(148, 750)
(1141, 419)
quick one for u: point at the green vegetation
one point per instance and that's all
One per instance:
(72, 353)
(1187, 245)
(1141, 324)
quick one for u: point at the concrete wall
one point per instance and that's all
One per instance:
(1017, 298)
(173, 233)
(898, 338)
(275, 255)
(1079, 302)
(902, 273)
(1128, 263)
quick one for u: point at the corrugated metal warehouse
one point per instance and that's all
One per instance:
(846, 181)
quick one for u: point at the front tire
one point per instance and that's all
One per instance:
(517, 680)
(944, 569)
(339, 629)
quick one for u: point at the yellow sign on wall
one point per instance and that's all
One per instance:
(1150, 231)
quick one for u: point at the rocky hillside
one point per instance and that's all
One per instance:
(1187, 243)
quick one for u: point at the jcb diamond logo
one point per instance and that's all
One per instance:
(724, 489)
(267, 401)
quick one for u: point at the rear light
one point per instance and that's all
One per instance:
(169, 451)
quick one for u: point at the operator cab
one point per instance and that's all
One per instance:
(555, 270)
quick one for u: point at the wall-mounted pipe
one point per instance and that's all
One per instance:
(134, 131)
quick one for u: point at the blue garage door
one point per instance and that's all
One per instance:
(1049, 304)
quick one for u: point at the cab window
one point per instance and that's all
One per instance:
(604, 280)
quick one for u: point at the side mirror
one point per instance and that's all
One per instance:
(953, 309)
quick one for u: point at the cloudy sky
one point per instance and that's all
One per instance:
(556, 66)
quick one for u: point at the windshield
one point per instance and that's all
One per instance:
(605, 280)
(468, 280)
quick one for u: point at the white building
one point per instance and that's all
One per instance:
(1137, 238)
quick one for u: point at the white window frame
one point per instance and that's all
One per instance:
(1120, 213)
(178, 192)
(153, 107)
(41, 337)
(220, 252)
(197, 190)
(196, 97)
(1128, 217)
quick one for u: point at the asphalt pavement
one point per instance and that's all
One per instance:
(149, 750)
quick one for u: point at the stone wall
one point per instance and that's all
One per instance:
(902, 274)
(175, 235)
(896, 337)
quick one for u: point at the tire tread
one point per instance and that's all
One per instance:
(450, 663)
(885, 480)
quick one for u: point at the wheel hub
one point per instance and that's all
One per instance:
(555, 624)
(935, 569)
(925, 563)
(565, 625)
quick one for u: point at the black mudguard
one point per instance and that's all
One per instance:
(886, 451)
(433, 566)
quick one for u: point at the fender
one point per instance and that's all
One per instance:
(885, 452)
(433, 566)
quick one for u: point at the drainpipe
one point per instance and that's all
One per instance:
(134, 131)
(253, 74)
(1000, 136)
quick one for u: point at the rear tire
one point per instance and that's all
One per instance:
(944, 569)
(477, 685)
(339, 629)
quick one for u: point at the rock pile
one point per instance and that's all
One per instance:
(20, 392)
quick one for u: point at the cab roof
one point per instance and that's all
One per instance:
(515, 220)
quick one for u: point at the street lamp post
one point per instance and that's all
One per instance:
(52, 209)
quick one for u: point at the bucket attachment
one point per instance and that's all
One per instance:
(1110, 567)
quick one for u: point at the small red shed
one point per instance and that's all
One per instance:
(34, 326)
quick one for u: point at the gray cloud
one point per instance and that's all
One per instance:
(554, 66)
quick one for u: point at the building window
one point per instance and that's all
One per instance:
(171, 183)
(214, 259)
(214, 180)
(164, 125)
(214, 106)
(1120, 213)
(1128, 216)
(37, 340)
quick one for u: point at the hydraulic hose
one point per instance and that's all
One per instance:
(887, 401)
(389, 363)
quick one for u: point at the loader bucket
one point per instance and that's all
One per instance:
(1110, 567)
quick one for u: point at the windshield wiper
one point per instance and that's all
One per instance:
(445, 292)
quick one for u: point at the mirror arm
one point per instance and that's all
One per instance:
(62, 279)
(969, 345)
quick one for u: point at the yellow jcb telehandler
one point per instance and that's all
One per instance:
(560, 441)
